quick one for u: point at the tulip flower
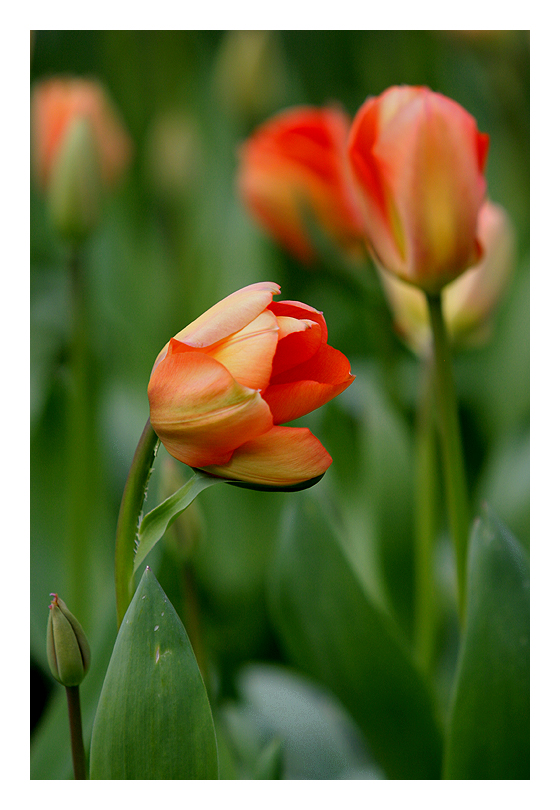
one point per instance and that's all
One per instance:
(79, 147)
(68, 650)
(468, 302)
(222, 389)
(418, 158)
(295, 167)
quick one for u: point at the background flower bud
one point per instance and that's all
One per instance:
(418, 159)
(68, 650)
(79, 147)
(294, 167)
(221, 389)
(470, 301)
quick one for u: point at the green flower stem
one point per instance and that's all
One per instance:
(129, 517)
(425, 517)
(453, 462)
(81, 443)
(76, 733)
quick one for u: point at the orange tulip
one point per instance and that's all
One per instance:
(222, 388)
(295, 166)
(418, 159)
(470, 301)
(56, 105)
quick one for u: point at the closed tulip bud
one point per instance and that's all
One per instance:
(418, 158)
(79, 148)
(222, 389)
(67, 646)
(470, 301)
(294, 167)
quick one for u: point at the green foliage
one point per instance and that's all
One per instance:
(153, 720)
(488, 735)
(333, 631)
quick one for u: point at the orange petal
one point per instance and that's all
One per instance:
(282, 457)
(248, 354)
(309, 385)
(229, 315)
(303, 312)
(298, 342)
(200, 413)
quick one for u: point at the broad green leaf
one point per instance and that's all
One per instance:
(153, 720)
(333, 631)
(488, 735)
(156, 522)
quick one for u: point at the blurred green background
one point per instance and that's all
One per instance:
(174, 239)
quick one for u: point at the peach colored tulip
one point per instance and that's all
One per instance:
(56, 104)
(295, 166)
(418, 159)
(470, 301)
(221, 390)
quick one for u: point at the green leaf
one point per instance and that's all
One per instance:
(488, 735)
(155, 523)
(332, 630)
(153, 720)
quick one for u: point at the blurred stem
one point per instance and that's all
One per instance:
(129, 516)
(76, 733)
(425, 515)
(453, 461)
(81, 443)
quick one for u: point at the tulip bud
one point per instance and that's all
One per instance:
(79, 147)
(293, 168)
(417, 158)
(67, 646)
(468, 302)
(74, 191)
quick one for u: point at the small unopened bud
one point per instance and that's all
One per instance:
(75, 190)
(67, 646)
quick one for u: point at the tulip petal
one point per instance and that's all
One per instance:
(298, 342)
(281, 457)
(229, 315)
(226, 317)
(199, 411)
(306, 387)
(248, 354)
(303, 312)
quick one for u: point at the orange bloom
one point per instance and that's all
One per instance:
(295, 166)
(418, 159)
(56, 105)
(470, 301)
(222, 387)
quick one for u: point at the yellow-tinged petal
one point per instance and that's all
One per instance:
(248, 354)
(229, 315)
(283, 456)
(199, 411)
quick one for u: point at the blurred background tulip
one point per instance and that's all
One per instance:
(470, 301)
(418, 160)
(79, 147)
(292, 168)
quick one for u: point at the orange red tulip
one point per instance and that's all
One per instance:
(295, 167)
(222, 389)
(417, 159)
(56, 105)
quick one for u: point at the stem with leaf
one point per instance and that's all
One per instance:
(453, 461)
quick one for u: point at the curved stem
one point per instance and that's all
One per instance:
(453, 462)
(129, 516)
(76, 734)
(425, 512)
